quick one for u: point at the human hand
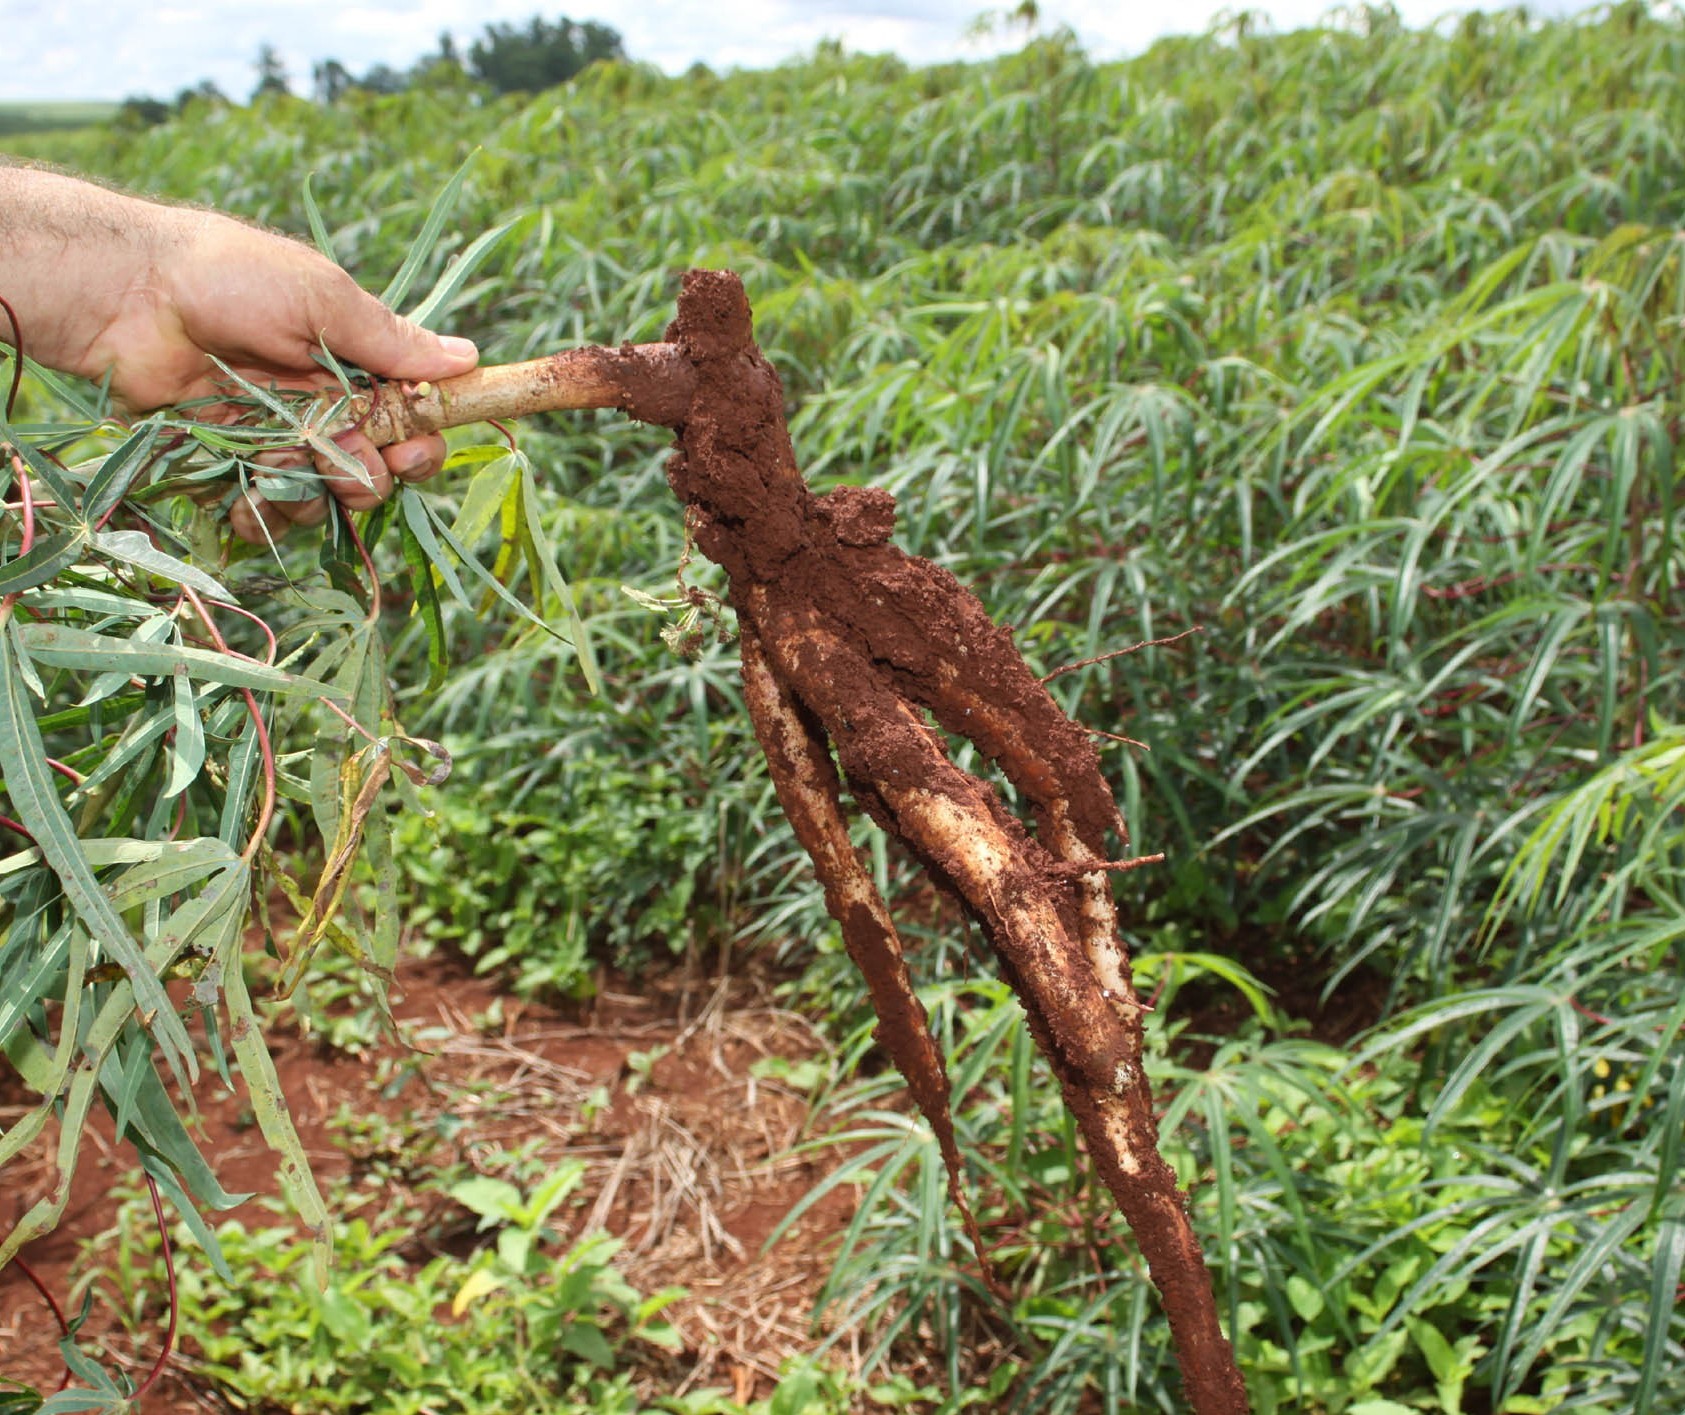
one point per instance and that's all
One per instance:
(153, 295)
(262, 304)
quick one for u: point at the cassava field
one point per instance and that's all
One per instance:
(1359, 350)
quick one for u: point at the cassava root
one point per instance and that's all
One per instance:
(854, 655)
(651, 382)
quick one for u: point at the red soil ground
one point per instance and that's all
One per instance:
(689, 1161)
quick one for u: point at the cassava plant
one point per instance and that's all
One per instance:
(847, 644)
(844, 638)
(1359, 345)
(146, 681)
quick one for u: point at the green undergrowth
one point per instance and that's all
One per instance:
(1353, 1219)
(457, 1294)
(1360, 348)
(624, 840)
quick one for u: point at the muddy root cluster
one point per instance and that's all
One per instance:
(856, 658)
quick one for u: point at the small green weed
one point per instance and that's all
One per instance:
(529, 1322)
(605, 870)
(525, 1322)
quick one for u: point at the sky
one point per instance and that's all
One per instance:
(112, 49)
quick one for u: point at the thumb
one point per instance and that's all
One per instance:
(367, 333)
(248, 295)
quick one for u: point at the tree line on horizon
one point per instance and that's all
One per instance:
(506, 58)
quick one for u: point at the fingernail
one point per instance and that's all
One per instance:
(458, 347)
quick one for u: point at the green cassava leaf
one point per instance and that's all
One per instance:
(65, 647)
(29, 783)
(426, 238)
(116, 475)
(48, 558)
(187, 741)
(421, 568)
(313, 215)
(269, 1106)
(553, 580)
(456, 272)
(136, 548)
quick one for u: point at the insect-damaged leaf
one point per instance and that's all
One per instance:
(359, 791)
(167, 867)
(388, 911)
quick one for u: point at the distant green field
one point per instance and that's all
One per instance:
(48, 117)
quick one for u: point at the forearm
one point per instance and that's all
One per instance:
(73, 258)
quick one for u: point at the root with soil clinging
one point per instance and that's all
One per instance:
(852, 647)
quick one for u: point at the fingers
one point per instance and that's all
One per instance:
(257, 520)
(252, 297)
(358, 328)
(416, 459)
(354, 492)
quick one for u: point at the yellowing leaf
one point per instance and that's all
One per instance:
(479, 1283)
